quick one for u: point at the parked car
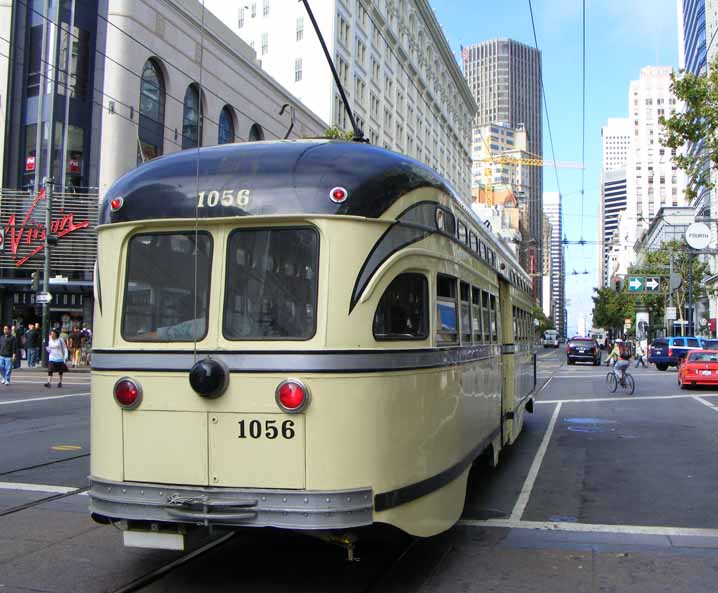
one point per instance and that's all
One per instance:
(580, 349)
(666, 352)
(699, 368)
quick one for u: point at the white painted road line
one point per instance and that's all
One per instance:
(42, 382)
(592, 528)
(634, 398)
(36, 487)
(39, 399)
(523, 499)
(705, 402)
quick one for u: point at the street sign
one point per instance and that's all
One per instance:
(58, 280)
(671, 313)
(653, 283)
(635, 283)
(43, 298)
(627, 322)
(698, 235)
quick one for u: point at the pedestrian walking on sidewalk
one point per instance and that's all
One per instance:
(33, 341)
(640, 355)
(8, 353)
(56, 357)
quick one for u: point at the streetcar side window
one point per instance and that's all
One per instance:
(403, 311)
(271, 284)
(446, 319)
(486, 315)
(167, 287)
(465, 295)
(476, 313)
(494, 321)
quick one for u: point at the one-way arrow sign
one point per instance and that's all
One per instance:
(635, 283)
(653, 284)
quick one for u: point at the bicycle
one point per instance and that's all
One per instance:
(626, 382)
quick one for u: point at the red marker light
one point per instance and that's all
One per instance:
(116, 204)
(292, 396)
(127, 393)
(338, 195)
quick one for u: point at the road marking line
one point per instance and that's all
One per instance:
(38, 399)
(66, 447)
(14, 382)
(705, 402)
(614, 399)
(591, 527)
(36, 487)
(593, 375)
(523, 498)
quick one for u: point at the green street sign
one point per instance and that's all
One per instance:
(635, 283)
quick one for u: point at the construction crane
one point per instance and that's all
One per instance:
(531, 160)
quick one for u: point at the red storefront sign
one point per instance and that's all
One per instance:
(29, 163)
(32, 233)
(73, 166)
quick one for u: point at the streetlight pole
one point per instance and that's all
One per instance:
(691, 331)
(49, 184)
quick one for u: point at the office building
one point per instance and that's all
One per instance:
(393, 60)
(613, 202)
(505, 79)
(553, 210)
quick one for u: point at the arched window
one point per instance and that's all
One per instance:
(192, 116)
(226, 126)
(152, 112)
(256, 133)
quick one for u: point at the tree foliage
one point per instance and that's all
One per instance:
(336, 133)
(544, 322)
(697, 125)
(611, 308)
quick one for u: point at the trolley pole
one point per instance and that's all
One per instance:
(49, 183)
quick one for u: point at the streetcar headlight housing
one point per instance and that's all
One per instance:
(292, 396)
(128, 393)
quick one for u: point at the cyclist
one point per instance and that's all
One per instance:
(614, 354)
(623, 362)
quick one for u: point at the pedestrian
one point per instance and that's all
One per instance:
(85, 344)
(33, 340)
(74, 344)
(640, 355)
(56, 357)
(8, 353)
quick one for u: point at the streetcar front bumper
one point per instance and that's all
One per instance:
(136, 502)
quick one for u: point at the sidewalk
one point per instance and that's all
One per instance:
(42, 369)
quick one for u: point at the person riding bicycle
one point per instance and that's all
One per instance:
(614, 354)
(619, 369)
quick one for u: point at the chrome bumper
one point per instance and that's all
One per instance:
(289, 509)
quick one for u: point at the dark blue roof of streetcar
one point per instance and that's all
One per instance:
(283, 177)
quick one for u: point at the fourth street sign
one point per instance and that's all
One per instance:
(635, 283)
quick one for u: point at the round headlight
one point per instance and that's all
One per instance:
(209, 377)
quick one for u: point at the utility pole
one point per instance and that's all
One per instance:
(690, 292)
(49, 183)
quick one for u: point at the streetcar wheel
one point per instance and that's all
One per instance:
(612, 382)
(629, 385)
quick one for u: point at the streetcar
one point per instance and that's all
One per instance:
(550, 338)
(310, 335)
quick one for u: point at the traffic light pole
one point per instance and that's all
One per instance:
(691, 331)
(49, 184)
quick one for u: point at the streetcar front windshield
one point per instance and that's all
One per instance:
(271, 285)
(167, 287)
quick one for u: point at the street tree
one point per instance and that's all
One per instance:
(697, 125)
(611, 308)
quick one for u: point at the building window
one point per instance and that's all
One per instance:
(297, 69)
(192, 118)
(254, 9)
(265, 43)
(34, 69)
(300, 28)
(256, 134)
(265, 8)
(240, 18)
(150, 130)
(226, 126)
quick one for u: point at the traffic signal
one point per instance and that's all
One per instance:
(35, 280)
(618, 283)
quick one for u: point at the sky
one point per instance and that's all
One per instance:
(622, 36)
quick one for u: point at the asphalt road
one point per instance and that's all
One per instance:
(601, 493)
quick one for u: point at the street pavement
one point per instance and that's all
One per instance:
(601, 493)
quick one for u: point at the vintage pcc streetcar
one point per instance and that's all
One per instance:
(311, 335)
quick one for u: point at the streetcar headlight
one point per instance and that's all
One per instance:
(128, 393)
(292, 396)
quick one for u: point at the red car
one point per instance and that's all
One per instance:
(699, 368)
